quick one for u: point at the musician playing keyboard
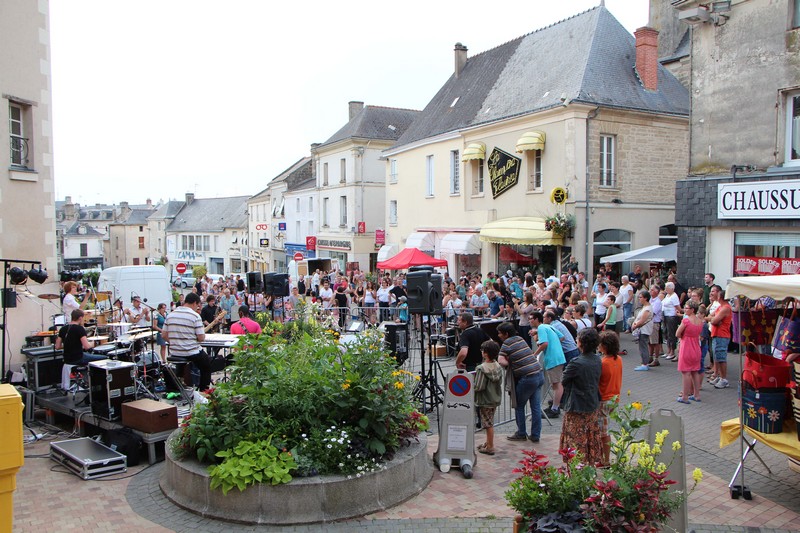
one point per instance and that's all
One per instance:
(137, 314)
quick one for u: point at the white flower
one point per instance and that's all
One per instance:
(341, 465)
(327, 431)
(358, 475)
(303, 435)
(329, 446)
(774, 416)
(361, 468)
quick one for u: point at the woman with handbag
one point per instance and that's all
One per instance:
(643, 325)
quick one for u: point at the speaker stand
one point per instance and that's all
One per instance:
(428, 392)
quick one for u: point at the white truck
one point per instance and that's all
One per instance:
(150, 282)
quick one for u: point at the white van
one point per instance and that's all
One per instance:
(150, 282)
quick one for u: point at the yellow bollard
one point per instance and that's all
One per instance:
(11, 452)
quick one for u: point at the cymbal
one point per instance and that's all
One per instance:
(145, 335)
(118, 324)
(49, 296)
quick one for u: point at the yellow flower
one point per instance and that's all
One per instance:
(629, 392)
(416, 377)
(661, 468)
(676, 446)
(697, 475)
(751, 412)
(399, 385)
(396, 373)
(345, 385)
(660, 436)
(637, 405)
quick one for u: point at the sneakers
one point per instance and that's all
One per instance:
(713, 380)
(517, 436)
(721, 384)
(550, 413)
(641, 368)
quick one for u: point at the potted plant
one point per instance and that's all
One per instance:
(560, 224)
(631, 494)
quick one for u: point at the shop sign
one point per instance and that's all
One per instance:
(262, 227)
(761, 199)
(281, 226)
(362, 227)
(558, 195)
(333, 244)
(765, 266)
(380, 237)
(311, 243)
(503, 171)
(264, 243)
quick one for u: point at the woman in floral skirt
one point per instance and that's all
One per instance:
(581, 400)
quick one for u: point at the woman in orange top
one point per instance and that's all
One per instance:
(610, 384)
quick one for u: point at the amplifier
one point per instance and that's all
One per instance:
(28, 400)
(396, 340)
(43, 367)
(111, 383)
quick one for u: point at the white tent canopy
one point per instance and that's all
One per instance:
(625, 256)
(754, 287)
(387, 251)
(659, 254)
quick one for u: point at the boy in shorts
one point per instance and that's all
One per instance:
(488, 391)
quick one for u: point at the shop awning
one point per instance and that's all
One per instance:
(754, 287)
(626, 256)
(509, 255)
(474, 151)
(519, 230)
(422, 240)
(460, 243)
(387, 251)
(531, 140)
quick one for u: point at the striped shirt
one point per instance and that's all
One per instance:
(182, 326)
(520, 357)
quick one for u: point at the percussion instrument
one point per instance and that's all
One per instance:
(101, 296)
(117, 324)
(148, 335)
(45, 334)
(98, 340)
(49, 296)
(104, 349)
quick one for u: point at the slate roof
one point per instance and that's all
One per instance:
(136, 217)
(167, 210)
(90, 231)
(301, 171)
(589, 58)
(211, 215)
(683, 49)
(375, 122)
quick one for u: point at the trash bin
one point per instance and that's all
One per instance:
(11, 452)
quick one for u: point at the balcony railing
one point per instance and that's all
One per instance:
(19, 152)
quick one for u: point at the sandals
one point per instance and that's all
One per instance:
(695, 399)
(487, 451)
(681, 400)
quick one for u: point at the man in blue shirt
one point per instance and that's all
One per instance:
(552, 360)
(496, 304)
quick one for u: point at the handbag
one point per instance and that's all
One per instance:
(765, 371)
(756, 325)
(787, 330)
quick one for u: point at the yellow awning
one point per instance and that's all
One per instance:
(532, 140)
(474, 151)
(519, 230)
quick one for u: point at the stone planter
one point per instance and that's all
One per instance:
(304, 500)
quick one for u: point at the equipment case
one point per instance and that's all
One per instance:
(87, 458)
(149, 416)
(43, 367)
(111, 383)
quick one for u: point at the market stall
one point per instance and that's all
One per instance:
(763, 378)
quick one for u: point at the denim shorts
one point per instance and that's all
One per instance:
(720, 347)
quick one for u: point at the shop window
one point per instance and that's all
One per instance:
(667, 234)
(455, 178)
(608, 176)
(793, 128)
(534, 163)
(534, 259)
(610, 242)
(780, 245)
(429, 176)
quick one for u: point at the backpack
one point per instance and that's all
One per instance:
(570, 328)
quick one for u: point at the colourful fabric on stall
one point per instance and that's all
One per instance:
(785, 442)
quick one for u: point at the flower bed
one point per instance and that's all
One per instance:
(299, 405)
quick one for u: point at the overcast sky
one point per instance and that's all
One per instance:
(156, 98)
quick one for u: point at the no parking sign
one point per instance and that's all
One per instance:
(457, 426)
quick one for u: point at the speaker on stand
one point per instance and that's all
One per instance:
(424, 298)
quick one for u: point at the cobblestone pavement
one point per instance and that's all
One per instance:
(47, 498)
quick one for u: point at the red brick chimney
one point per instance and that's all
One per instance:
(647, 57)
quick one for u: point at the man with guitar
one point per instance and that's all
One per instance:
(184, 331)
(212, 315)
(137, 314)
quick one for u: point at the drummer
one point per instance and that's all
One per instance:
(70, 302)
(137, 314)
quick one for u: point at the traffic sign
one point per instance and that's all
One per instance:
(180, 268)
(459, 385)
(298, 256)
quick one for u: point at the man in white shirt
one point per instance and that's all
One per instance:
(137, 314)
(626, 293)
(326, 294)
(479, 302)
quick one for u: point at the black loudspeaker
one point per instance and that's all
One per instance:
(280, 285)
(435, 294)
(267, 286)
(396, 341)
(254, 283)
(418, 289)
